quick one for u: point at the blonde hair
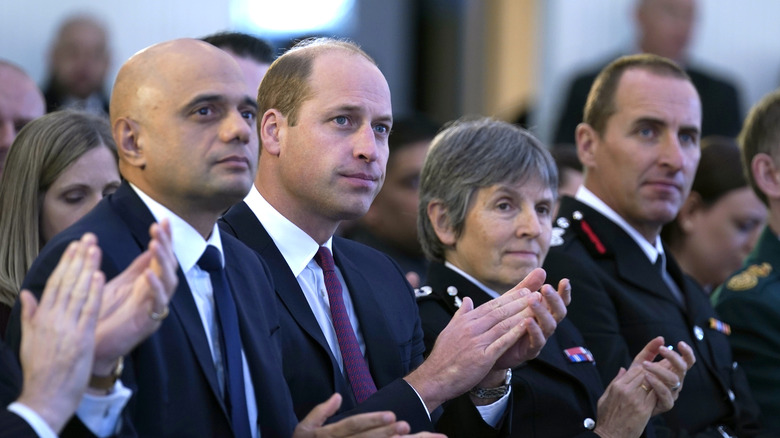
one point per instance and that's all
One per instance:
(40, 153)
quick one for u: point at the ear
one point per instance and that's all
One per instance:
(587, 142)
(129, 147)
(765, 173)
(440, 219)
(688, 215)
(271, 131)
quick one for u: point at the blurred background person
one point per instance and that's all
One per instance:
(664, 28)
(254, 55)
(719, 223)
(20, 102)
(390, 225)
(569, 171)
(60, 167)
(486, 199)
(78, 62)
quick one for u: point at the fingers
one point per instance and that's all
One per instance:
(650, 351)
(664, 396)
(78, 281)
(564, 290)
(555, 306)
(687, 354)
(322, 411)
(533, 281)
(29, 306)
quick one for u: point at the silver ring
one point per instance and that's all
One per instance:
(159, 316)
(676, 387)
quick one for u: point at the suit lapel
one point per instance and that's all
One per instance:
(248, 229)
(383, 357)
(138, 219)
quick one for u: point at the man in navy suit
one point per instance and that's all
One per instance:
(184, 125)
(325, 120)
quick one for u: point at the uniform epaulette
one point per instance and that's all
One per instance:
(749, 277)
(579, 225)
(449, 297)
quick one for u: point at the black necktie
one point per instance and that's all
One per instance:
(660, 264)
(227, 321)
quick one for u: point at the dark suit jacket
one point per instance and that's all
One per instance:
(721, 114)
(551, 396)
(620, 302)
(172, 373)
(11, 425)
(384, 304)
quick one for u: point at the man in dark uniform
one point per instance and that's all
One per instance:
(664, 28)
(750, 300)
(639, 144)
(501, 236)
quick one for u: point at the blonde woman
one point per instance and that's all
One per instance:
(58, 168)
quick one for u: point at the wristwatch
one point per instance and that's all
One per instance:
(494, 392)
(105, 383)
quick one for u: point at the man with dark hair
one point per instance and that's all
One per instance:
(749, 301)
(253, 55)
(665, 28)
(390, 225)
(639, 146)
(346, 308)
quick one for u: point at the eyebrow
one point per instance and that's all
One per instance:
(217, 98)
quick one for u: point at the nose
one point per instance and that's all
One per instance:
(528, 223)
(237, 127)
(671, 153)
(366, 144)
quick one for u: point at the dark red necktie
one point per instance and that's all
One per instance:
(354, 363)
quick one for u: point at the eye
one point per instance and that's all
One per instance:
(543, 210)
(74, 196)
(503, 206)
(687, 138)
(646, 132)
(381, 128)
(341, 120)
(249, 115)
(205, 111)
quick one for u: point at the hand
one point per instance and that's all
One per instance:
(625, 407)
(371, 425)
(146, 286)
(666, 374)
(467, 349)
(58, 334)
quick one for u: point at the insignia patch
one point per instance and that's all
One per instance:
(578, 354)
(556, 239)
(423, 292)
(748, 278)
(720, 326)
(742, 281)
(593, 238)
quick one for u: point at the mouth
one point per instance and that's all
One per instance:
(361, 179)
(235, 161)
(665, 185)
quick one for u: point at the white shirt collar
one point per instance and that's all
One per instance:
(297, 247)
(487, 290)
(188, 244)
(590, 199)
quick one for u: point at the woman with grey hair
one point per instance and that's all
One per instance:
(485, 221)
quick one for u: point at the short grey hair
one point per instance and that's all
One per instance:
(470, 154)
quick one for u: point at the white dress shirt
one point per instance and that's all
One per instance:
(298, 250)
(188, 246)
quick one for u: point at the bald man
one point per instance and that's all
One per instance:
(20, 102)
(184, 123)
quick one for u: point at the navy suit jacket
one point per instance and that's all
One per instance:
(172, 375)
(11, 425)
(385, 306)
(620, 302)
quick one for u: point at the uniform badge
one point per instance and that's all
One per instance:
(556, 239)
(748, 278)
(423, 291)
(720, 326)
(578, 354)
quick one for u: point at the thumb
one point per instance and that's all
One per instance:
(29, 306)
(466, 306)
(650, 351)
(533, 281)
(322, 411)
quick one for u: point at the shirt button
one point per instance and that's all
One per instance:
(589, 423)
(731, 395)
(698, 332)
